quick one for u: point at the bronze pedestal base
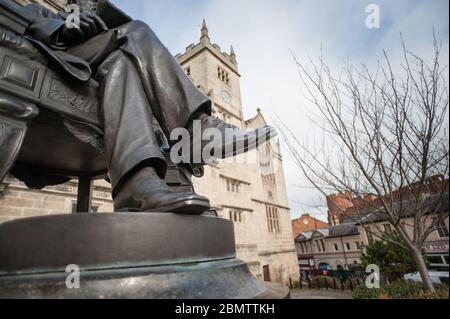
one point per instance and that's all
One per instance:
(144, 256)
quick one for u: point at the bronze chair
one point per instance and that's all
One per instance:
(35, 101)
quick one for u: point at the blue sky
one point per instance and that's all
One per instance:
(264, 33)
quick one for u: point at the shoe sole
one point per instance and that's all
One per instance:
(187, 207)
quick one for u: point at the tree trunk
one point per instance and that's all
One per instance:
(423, 270)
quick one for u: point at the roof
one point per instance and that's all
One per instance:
(348, 207)
(344, 231)
(258, 119)
(332, 232)
(429, 206)
(306, 235)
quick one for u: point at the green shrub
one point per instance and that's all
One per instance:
(354, 283)
(441, 293)
(362, 292)
(401, 290)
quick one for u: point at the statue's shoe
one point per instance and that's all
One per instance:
(146, 192)
(230, 140)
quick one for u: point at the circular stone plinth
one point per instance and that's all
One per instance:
(225, 279)
(108, 241)
(126, 256)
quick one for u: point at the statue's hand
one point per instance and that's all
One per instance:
(90, 26)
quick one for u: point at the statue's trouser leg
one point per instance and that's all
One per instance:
(140, 79)
(171, 94)
(129, 133)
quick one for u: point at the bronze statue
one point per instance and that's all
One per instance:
(103, 99)
(141, 86)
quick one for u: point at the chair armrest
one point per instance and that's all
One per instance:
(17, 109)
(22, 46)
(11, 18)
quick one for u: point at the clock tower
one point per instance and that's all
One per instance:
(216, 73)
(250, 193)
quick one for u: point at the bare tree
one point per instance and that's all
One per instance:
(385, 133)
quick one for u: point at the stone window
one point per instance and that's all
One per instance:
(237, 216)
(320, 245)
(233, 185)
(336, 247)
(266, 163)
(273, 219)
(304, 247)
(442, 229)
(348, 247)
(188, 71)
(319, 249)
(223, 75)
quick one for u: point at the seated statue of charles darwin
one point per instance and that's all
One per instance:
(139, 81)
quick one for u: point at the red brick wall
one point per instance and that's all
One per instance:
(307, 223)
(337, 206)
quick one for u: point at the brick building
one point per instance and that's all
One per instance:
(307, 223)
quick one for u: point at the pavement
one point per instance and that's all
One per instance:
(319, 294)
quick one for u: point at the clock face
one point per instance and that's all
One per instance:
(306, 222)
(226, 97)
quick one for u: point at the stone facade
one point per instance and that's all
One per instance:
(54, 5)
(17, 201)
(249, 190)
(329, 249)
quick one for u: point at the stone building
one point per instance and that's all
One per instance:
(249, 190)
(336, 248)
(54, 5)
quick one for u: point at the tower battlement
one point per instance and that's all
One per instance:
(228, 58)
